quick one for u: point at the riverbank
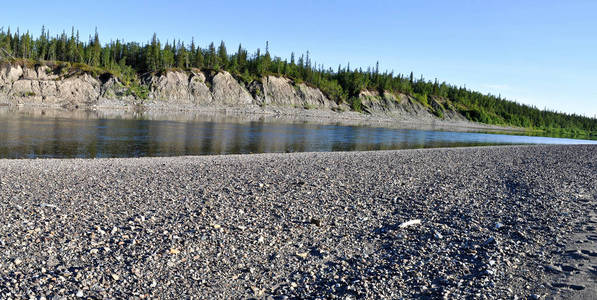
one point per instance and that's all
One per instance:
(494, 222)
(32, 85)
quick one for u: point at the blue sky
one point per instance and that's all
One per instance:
(542, 53)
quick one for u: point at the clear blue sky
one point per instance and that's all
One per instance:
(542, 53)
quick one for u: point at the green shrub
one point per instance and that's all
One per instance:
(355, 104)
(422, 98)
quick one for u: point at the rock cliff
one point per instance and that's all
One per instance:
(40, 85)
(43, 85)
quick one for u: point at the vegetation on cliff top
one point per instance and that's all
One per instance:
(129, 60)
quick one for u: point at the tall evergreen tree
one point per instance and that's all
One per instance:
(222, 55)
(211, 57)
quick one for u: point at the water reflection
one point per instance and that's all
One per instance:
(30, 135)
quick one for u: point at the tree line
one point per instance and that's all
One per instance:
(343, 84)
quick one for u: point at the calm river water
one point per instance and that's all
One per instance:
(78, 134)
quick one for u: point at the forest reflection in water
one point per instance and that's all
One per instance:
(77, 134)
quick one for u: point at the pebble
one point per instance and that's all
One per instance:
(410, 223)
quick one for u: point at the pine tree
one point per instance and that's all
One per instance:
(80, 52)
(192, 53)
(267, 59)
(181, 56)
(71, 47)
(240, 58)
(212, 58)
(222, 55)
(8, 42)
(153, 55)
(94, 57)
(199, 59)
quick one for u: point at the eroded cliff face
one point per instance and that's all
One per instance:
(401, 106)
(40, 85)
(281, 91)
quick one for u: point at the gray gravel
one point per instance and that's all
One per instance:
(495, 222)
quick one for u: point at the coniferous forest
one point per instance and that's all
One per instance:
(130, 60)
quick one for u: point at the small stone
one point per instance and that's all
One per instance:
(216, 226)
(498, 225)
(79, 294)
(115, 277)
(302, 255)
(174, 251)
(18, 261)
(553, 269)
(490, 241)
(260, 240)
(257, 291)
(410, 223)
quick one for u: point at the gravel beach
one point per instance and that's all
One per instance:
(484, 223)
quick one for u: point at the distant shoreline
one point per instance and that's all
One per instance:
(30, 84)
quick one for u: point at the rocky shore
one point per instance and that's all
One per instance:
(484, 223)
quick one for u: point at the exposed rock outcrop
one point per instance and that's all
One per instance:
(198, 89)
(171, 87)
(401, 105)
(228, 91)
(283, 92)
(396, 105)
(39, 85)
(44, 85)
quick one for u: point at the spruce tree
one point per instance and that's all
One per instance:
(199, 59)
(71, 47)
(222, 55)
(212, 58)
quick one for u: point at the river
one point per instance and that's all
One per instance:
(89, 135)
